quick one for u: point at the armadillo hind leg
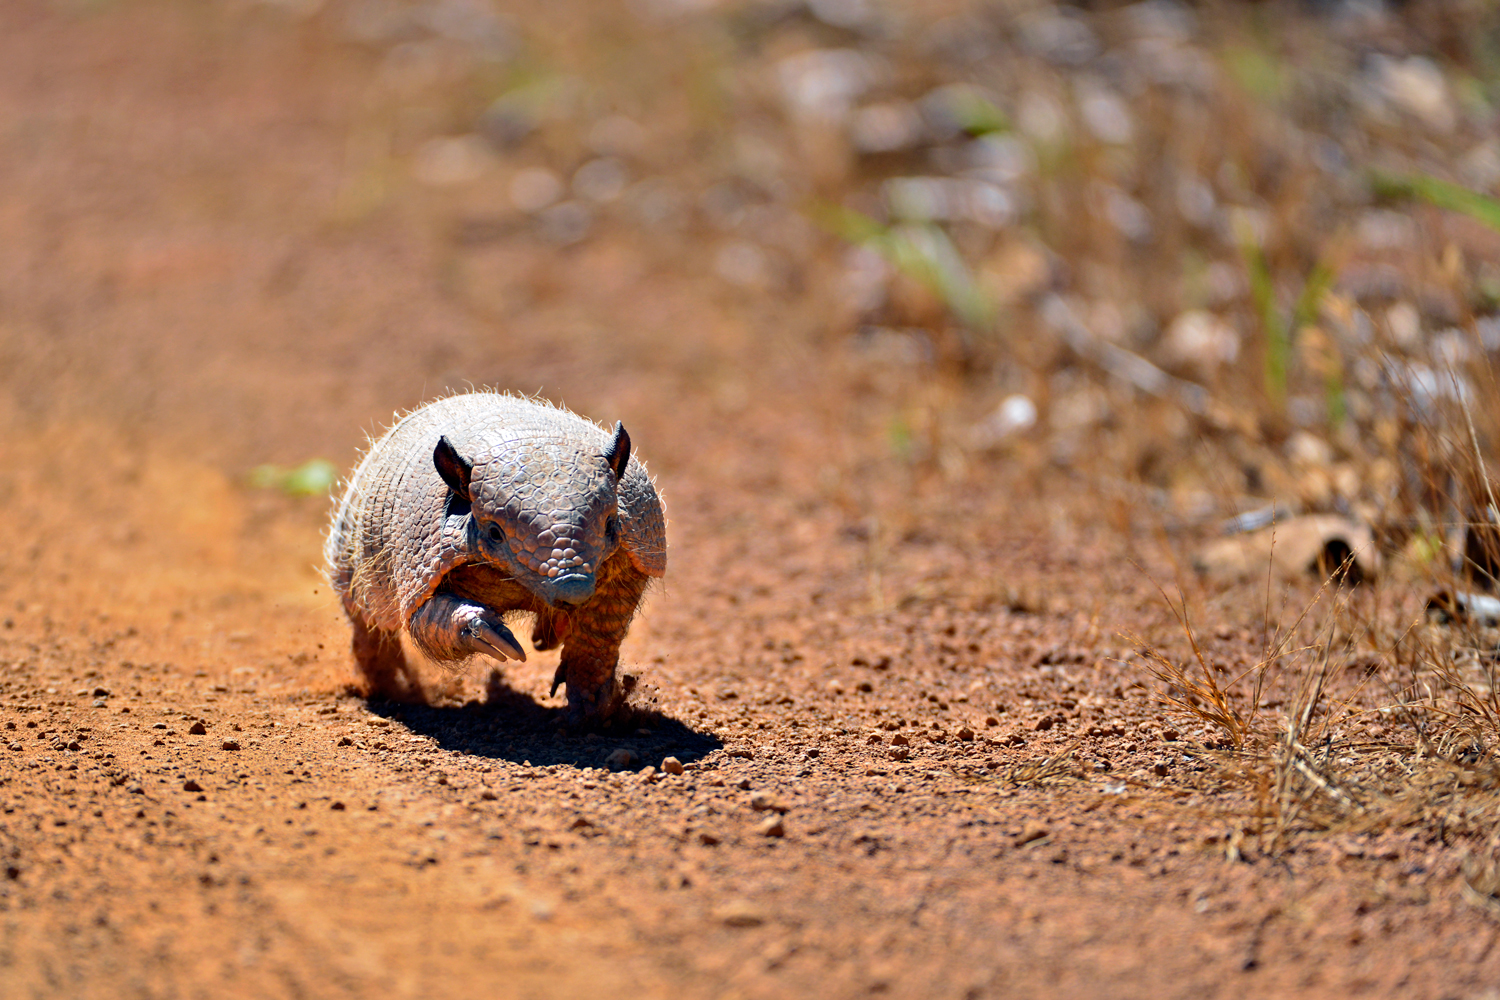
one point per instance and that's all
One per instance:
(380, 660)
(449, 627)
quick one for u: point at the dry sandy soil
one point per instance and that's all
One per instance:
(915, 761)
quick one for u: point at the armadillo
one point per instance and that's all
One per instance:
(482, 505)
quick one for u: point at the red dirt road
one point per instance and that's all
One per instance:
(195, 804)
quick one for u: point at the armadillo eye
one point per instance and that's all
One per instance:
(496, 535)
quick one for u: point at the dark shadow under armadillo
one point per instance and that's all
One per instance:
(484, 504)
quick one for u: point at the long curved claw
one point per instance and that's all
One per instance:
(558, 680)
(496, 641)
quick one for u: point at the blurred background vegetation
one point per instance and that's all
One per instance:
(1219, 252)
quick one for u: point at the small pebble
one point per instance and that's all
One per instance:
(191, 786)
(739, 913)
(761, 802)
(230, 745)
(337, 807)
(1032, 831)
(197, 729)
(671, 765)
(771, 826)
(621, 759)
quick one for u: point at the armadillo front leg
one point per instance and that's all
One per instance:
(449, 627)
(591, 649)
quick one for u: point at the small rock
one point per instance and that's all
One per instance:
(771, 826)
(191, 786)
(580, 823)
(1031, 832)
(739, 913)
(345, 741)
(17, 746)
(1200, 341)
(198, 729)
(101, 692)
(671, 765)
(450, 160)
(229, 745)
(761, 802)
(337, 807)
(885, 127)
(600, 180)
(1015, 415)
(900, 740)
(535, 188)
(1044, 723)
(707, 839)
(966, 734)
(1417, 86)
(621, 759)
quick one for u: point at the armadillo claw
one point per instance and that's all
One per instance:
(596, 708)
(558, 680)
(495, 640)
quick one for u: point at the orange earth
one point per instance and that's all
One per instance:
(869, 669)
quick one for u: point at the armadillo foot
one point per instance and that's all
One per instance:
(378, 656)
(592, 700)
(593, 708)
(450, 628)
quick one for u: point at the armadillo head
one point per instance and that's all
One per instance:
(546, 512)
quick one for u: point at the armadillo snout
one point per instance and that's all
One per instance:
(575, 588)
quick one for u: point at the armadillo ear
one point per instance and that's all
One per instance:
(618, 452)
(453, 467)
